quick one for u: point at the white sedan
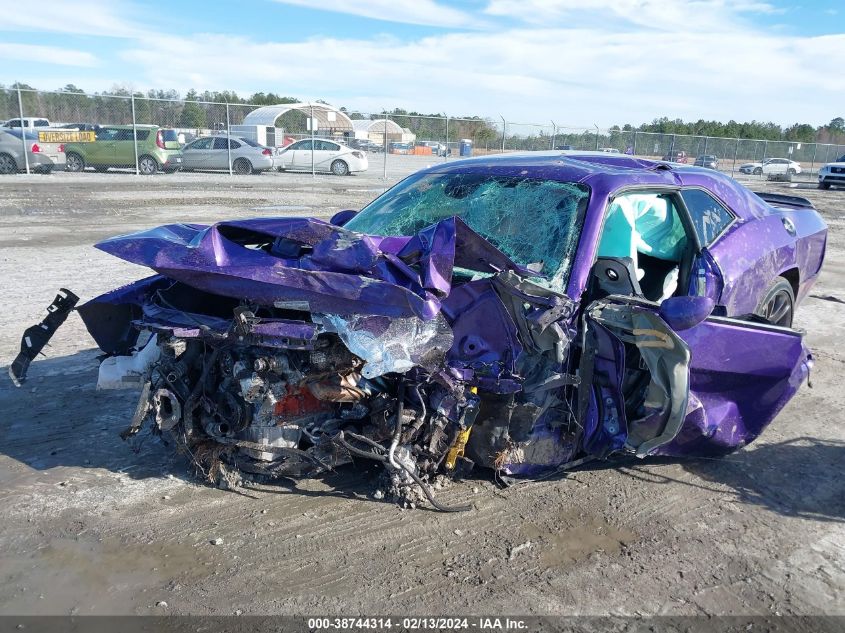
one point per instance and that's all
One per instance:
(328, 156)
(772, 166)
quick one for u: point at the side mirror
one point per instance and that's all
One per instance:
(342, 217)
(682, 313)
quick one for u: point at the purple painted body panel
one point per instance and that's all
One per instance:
(740, 374)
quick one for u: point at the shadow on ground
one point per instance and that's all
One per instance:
(800, 477)
(58, 419)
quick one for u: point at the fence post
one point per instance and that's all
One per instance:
(813, 162)
(597, 136)
(736, 153)
(135, 136)
(554, 135)
(504, 132)
(672, 149)
(313, 169)
(228, 143)
(634, 145)
(23, 132)
(384, 162)
(446, 153)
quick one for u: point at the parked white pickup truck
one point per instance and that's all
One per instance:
(29, 122)
(832, 174)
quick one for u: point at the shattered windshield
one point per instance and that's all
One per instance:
(533, 221)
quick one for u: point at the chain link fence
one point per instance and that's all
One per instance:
(157, 132)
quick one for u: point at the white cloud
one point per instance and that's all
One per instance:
(103, 18)
(578, 62)
(686, 15)
(425, 12)
(45, 55)
(579, 76)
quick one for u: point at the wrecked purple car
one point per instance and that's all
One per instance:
(522, 313)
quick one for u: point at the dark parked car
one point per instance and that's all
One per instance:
(629, 307)
(365, 145)
(676, 157)
(82, 127)
(707, 160)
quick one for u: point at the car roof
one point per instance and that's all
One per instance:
(609, 172)
(129, 127)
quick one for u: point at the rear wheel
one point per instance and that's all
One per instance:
(758, 171)
(340, 168)
(824, 185)
(777, 304)
(74, 162)
(8, 164)
(792, 171)
(242, 167)
(147, 165)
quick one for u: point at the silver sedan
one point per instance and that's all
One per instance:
(41, 156)
(211, 152)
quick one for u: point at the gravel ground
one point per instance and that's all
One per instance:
(93, 525)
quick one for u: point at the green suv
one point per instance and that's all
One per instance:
(158, 149)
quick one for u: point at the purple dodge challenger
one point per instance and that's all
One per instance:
(522, 313)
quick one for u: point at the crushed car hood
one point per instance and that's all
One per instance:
(310, 265)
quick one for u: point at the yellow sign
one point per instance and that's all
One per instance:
(66, 136)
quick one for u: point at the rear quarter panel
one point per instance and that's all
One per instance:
(756, 251)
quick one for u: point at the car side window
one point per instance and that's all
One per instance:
(301, 145)
(106, 134)
(234, 144)
(219, 143)
(709, 216)
(202, 143)
(326, 146)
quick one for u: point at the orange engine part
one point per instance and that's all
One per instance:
(298, 403)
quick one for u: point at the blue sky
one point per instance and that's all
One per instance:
(577, 62)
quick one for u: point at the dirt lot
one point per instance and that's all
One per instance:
(93, 525)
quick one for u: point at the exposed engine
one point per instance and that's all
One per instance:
(299, 412)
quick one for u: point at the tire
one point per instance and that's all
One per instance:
(824, 185)
(101, 168)
(74, 162)
(757, 171)
(8, 164)
(147, 165)
(791, 171)
(340, 168)
(777, 304)
(241, 167)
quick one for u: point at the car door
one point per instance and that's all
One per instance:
(286, 158)
(218, 155)
(655, 382)
(195, 155)
(301, 157)
(124, 147)
(325, 152)
(101, 151)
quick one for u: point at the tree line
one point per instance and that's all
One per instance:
(208, 109)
